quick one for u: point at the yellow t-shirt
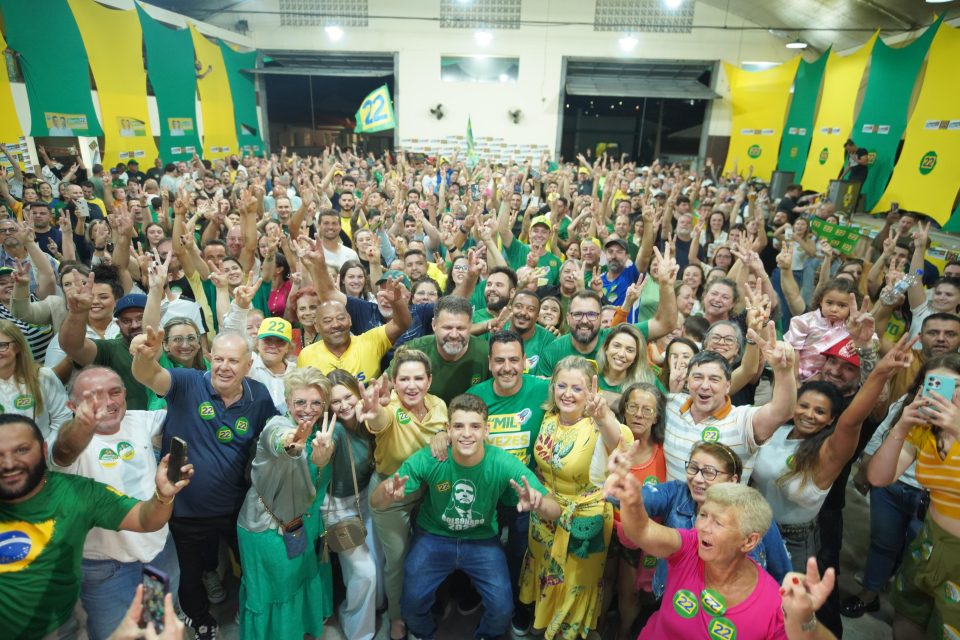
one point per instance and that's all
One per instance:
(404, 435)
(361, 359)
(345, 225)
(940, 477)
(438, 275)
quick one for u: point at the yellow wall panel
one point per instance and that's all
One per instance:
(216, 102)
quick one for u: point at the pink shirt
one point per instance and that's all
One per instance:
(688, 611)
(810, 335)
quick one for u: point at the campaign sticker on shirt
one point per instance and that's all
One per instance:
(125, 450)
(24, 401)
(241, 425)
(952, 591)
(649, 562)
(224, 435)
(722, 629)
(403, 417)
(685, 604)
(950, 632)
(650, 481)
(791, 461)
(108, 458)
(475, 380)
(206, 411)
(713, 602)
(710, 434)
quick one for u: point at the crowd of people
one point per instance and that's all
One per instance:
(589, 397)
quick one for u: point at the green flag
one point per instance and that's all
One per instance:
(798, 130)
(375, 112)
(842, 238)
(471, 148)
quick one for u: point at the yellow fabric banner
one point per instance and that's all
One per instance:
(9, 122)
(759, 101)
(834, 122)
(927, 174)
(216, 103)
(114, 45)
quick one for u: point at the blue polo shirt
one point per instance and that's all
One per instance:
(615, 291)
(220, 440)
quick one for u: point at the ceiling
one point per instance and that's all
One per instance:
(843, 23)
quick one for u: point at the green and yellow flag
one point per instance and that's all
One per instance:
(375, 112)
(471, 145)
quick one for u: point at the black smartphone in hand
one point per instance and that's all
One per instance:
(178, 457)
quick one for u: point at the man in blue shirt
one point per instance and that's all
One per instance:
(621, 273)
(220, 415)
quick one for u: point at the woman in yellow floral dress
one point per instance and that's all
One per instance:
(563, 570)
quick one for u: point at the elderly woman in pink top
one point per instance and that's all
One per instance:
(814, 332)
(714, 589)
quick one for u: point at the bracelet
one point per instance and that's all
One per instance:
(159, 498)
(810, 624)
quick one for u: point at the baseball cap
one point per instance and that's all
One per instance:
(544, 220)
(583, 170)
(395, 273)
(6, 271)
(275, 328)
(617, 241)
(130, 301)
(129, 162)
(845, 351)
(595, 241)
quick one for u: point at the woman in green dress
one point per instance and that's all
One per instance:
(286, 590)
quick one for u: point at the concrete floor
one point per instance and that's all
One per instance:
(875, 626)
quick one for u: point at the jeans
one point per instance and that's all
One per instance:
(432, 558)
(518, 527)
(893, 525)
(802, 542)
(108, 588)
(197, 539)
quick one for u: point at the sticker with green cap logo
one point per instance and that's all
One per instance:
(650, 481)
(722, 629)
(710, 434)
(206, 411)
(685, 604)
(126, 450)
(754, 151)
(241, 425)
(791, 461)
(108, 458)
(713, 603)
(824, 154)
(224, 434)
(403, 417)
(24, 401)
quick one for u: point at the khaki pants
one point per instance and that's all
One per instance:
(392, 528)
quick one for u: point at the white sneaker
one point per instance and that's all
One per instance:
(214, 587)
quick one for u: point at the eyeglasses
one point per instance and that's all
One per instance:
(8, 230)
(459, 267)
(723, 339)
(592, 316)
(302, 404)
(4, 346)
(708, 473)
(184, 339)
(646, 412)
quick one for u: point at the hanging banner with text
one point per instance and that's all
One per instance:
(10, 130)
(883, 114)
(115, 48)
(375, 112)
(244, 96)
(216, 105)
(841, 84)
(842, 238)
(759, 104)
(171, 72)
(803, 107)
(54, 64)
(925, 178)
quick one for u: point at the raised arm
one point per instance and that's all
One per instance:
(315, 264)
(782, 358)
(401, 319)
(665, 319)
(916, 296)
(73, 332)
(147, 371)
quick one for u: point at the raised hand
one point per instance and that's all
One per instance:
(667, 268)
(891, 242)
(370, 400)
(129, 628)
(322, 441)
(780, 355)
(596, 281)
(22, 271)
(899, 357)
(157, 273)
(80, 299)
(166, 489)
(620, 484)
(943, 413)
(502, 319)
(148, 344)
(596, 406)
(217, 276)
(860, 323)
(243, 293)
(802, 595)
(529, 499)
(758, 308)
(678, 378)
(92, 408)
(395, 487)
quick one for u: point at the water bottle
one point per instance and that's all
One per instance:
(890, 295)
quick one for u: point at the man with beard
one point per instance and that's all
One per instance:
(583, 318)
(334, 251)
(619, 275)
(524, 310)
(220, 414)
(459, 360)
(114, 352)
(939, 335)
(45, 517)
(500, 286)
(18, 246)
(360, 355)
(541, 234)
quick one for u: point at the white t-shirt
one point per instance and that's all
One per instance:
(341, 255)
(126, 461)
(272, 381)
(16, 398)
(55, 355)
(792, 502)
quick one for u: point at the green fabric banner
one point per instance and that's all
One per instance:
(798, 129)
(55, 67)
(244, 98)
(883, 115)
(843, 239)
(172, 74)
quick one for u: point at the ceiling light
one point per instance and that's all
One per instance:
(504, 77)
(483, 38)
(938, 1)
(334, 32)
(673, 4)
(797, 44)
(628, 42)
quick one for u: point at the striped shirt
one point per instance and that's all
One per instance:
(729, 425)
(941, 476)
(38, 336)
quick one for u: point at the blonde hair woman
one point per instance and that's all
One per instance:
(286, 590)
(563, 571)
(621, 361)
(26, 388)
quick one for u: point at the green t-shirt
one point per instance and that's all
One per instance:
(349, 444)
(461, 502)
(603, 385)
(115, 353)
(563, 347)
(480, 314)
(533, 347)
(516, 257)
(514, 421)
(41, 548)
(260, 300)
(450, 379)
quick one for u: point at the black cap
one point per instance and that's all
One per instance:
(617, 241)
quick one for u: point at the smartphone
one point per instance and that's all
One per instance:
(83, 209)
(943, 386)
(894, 207)
(178, 457)
(475, 192)
(156, 585)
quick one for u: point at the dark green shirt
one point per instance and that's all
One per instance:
(563, 347)
(450, 379)
(115, 353)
